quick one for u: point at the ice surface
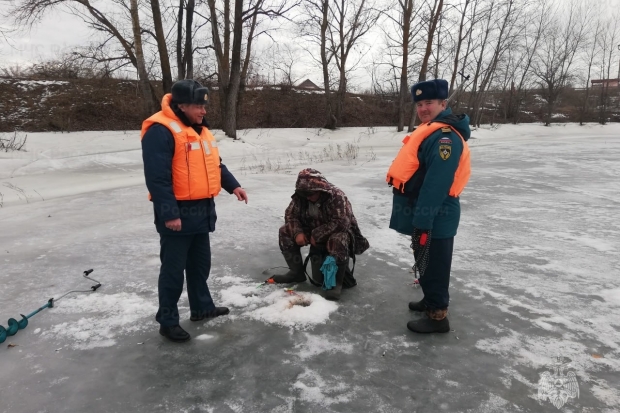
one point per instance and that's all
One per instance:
(536, 276)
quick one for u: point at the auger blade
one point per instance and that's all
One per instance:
(13, 327)
(23, 323)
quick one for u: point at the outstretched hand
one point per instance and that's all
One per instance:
(241, 195)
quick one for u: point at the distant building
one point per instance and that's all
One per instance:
(308, 85)
(605, 82)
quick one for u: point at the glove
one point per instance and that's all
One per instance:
(420, 238)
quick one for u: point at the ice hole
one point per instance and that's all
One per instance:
(300, 301)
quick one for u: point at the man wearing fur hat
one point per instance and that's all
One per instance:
(183, 173)
(428, 175)
(319, 215)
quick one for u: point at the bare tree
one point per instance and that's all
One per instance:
(403, 91)
(608, 41)
(143, 78)
(534, 30)
(228, 37)
(162, 48)
(507, 32)
(399, 36)
(433, 19)
(188, 54)
(4, 34)
(185, 49)
(591, 54)
(28, 12)
(459, 41)
(283, 60)
(314, 25)
(350, 20)
(553, 66)
(179, 41)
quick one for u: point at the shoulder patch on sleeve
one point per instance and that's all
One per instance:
(445, 141)
(446, 129)
(445, 151)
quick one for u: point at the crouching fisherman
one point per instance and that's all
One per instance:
(428, 175)
(320, 215)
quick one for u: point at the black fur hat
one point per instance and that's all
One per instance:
(189, 91)
(430, 89)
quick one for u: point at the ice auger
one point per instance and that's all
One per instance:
(15, 325)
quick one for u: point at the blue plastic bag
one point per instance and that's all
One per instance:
(329, 270)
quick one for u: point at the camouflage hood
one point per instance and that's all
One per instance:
(311, 180)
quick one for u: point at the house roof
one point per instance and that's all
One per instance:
(603, 80)
(308, 84)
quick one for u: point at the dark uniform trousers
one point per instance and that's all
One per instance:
(436, 278)
(179, 253)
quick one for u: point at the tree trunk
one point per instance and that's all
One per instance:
(166, 74)
(230, 120)
(434, 18)
(189, 52)
(459, 43)
(404, 87)
(143, 80)
(246, 66)
(330, 120)
(429, 41)
(340, 96)
(180, 60)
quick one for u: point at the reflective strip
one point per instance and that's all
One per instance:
(175, 127)
(206, 146)
(195, 145)
(213, 143)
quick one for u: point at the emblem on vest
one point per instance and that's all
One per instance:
(445, 151)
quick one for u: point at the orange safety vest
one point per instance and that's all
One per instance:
(196, 172)
(406, 162)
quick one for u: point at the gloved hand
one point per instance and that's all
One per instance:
(420, 238)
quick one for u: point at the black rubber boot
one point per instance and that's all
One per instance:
(296, 269)
(174, 333)
(427, 325)
(417, 306)
(334, 293)
(219, 311)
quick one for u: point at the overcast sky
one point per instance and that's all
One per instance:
(59, 31)
(55, 34)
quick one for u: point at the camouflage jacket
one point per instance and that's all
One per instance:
(331, 214)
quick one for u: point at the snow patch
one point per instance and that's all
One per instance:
(110, 316)
(301, 310)
(316, 345)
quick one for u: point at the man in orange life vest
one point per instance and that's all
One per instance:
(183, 173)
(428, 175)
